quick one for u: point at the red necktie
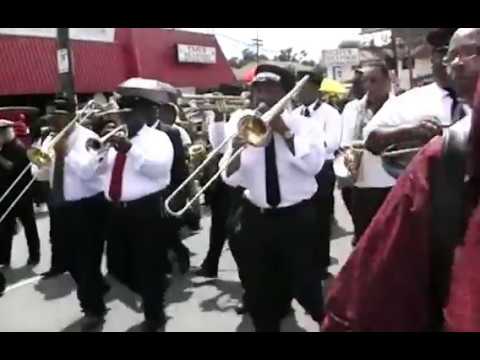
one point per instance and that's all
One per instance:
(115, 191)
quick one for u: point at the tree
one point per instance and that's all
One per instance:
(248, 56)
(290, 56)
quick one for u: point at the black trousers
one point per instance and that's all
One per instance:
(324, 201)
(137, 251)
(75, 224)
(365, 204)
(220, 201)
(171, 234)
(277, 259)
(24, 211)
(347, 198)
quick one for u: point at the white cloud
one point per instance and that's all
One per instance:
(312, 40)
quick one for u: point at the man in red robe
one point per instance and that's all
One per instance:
(386, 283)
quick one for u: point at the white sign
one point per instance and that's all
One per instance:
(88, 34)
(196, 54)
(62, 61)
(339, 57)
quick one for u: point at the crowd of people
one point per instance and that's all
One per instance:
(415, 220)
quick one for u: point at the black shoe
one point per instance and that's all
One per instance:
(326, 275)
(32, 261)
(154, 325)
(241, 310)
(184, 264)
(92, 322)
(3, 284)
(206, 273)
(52, 273)
(5, 264)
(288, 311)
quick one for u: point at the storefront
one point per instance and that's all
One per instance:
(104, 57)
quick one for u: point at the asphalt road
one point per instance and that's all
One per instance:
(192, 303)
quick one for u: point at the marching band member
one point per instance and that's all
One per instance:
(13, 159)
(329, 120)
(411, 116)
(404, 274)
(278, 235)
(77, 203)
(373, 183)
(219, 195)
(167, 113)
(349, 115)
(137, 169)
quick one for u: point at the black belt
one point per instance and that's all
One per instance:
(283, 211)
(154, 199)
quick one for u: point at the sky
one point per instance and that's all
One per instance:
(312, 40)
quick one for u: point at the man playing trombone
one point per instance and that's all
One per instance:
(278, 235)
(77, 202)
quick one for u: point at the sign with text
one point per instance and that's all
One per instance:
(338, 57)
(196, 54)
(62, 61)
(88, 34)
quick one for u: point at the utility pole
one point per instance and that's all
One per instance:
(258, 43)
(65, 65)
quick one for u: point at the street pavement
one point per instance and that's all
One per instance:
(193, 304)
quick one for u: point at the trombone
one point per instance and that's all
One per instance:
(253, 129)
(41, 156)
(219, 102)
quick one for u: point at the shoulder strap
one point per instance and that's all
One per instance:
(448, 209)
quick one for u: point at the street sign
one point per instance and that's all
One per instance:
(62, 61)
(341, 57)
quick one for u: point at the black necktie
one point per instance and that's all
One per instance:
(272, 185)
(456, 111)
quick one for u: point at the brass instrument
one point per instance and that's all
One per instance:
(218, 102)
(101, 144)
(347, 164)
(253, 129)
(40, 156)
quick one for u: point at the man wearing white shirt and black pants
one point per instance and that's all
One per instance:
(278, 235)
(372, 184)
(136, 172)
(417, 115)
(76, 198)
(329, 121)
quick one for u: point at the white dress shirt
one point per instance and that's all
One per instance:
(296, 173)
(349, 119)
(80, 181)
(148, 165)
(217, 130)
(330, 123)
(186, 140)
(371, 173)
(412, 107)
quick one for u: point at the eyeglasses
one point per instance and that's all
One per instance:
(465, 54)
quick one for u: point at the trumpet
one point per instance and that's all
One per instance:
(102, 143)
(42, 156)
(347, 164)
(253, 129)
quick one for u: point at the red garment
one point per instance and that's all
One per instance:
(115, 191)
(384, 286)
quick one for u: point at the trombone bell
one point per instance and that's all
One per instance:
(254, 131)
(39, 157)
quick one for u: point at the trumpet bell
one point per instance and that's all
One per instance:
(93, 144)
(38, 157)
(254, 131)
